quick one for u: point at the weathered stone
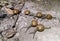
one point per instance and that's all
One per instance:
(9, 33)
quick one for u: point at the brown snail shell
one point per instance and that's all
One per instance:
(39, 14)
(26, 12)
(49, 16)
(34, 23)
(16, 11)
(40, 27)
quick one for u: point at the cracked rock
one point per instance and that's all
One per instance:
(7, 23)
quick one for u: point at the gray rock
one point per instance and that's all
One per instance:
(24, 22)
(7, 23)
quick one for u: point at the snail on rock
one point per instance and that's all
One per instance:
(39, 28)
(49, 17)
(16, 11)
(26, 12)
(34, 23)
(39, 15)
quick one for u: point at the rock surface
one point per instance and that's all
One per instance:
(24, 21)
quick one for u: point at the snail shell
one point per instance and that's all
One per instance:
(16, 11)
(39, 14)
(26, 12)
(40, 27)
(10, 33)
(49, 16)
(34, 23)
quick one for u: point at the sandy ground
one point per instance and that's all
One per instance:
(52, 34)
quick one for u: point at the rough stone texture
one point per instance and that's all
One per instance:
(7, 23)
(23, 22)
(48, 35)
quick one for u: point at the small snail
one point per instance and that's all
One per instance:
(34, 23)
(11, 11)
(15, 11)
(39, 14)
(39, 28)
(48, 16)
(26, 12)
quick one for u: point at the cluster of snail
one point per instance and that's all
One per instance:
(34, 23)
(39, 27)
(39, 15)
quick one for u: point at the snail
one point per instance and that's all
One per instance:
(48, 16)
(9, 11)
(44, 16)
(26, 12)
(15, 11)
(39, 28)
(34, 23)
(39, 15)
